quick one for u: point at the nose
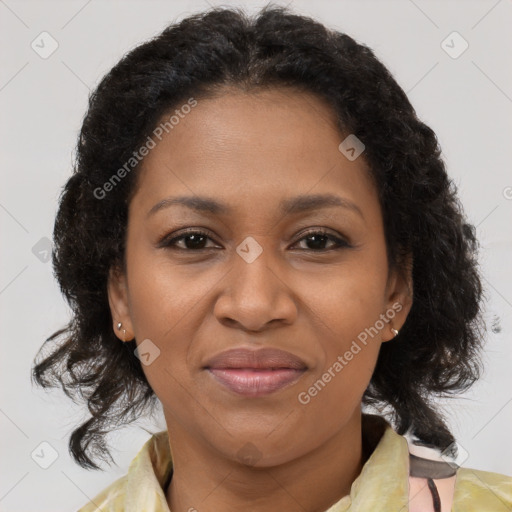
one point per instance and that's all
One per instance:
(256, 295)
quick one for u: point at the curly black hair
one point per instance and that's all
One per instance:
(436, 353)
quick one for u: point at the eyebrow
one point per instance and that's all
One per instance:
(291, 206)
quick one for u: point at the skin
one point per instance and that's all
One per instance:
(250, 151)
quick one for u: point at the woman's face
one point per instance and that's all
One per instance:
(258, 277)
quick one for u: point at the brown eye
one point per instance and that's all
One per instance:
(192, 241)
(197, 240)
(318, 239)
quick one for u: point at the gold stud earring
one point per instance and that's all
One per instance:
(119, 326)
(394, 331)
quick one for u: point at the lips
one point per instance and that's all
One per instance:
(255, 372)
(264, 358)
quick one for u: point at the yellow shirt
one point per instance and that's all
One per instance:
(382, 485)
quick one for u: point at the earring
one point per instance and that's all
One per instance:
(395, 332)
(119, 325)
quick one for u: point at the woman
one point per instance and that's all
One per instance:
(261, 235)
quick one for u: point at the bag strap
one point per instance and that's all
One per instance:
(431, 478)
(431, 484)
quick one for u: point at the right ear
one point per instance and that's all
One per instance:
(117, 289)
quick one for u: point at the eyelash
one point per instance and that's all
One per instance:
(171, 243)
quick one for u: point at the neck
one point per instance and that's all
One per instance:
(206, 482)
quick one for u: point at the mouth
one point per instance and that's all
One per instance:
(256, 381)
(254, 373)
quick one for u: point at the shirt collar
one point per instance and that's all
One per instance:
(381, 486)
(147, 475)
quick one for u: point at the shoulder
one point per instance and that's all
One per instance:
(141, 488)
(477, 490)
(459, 489)
(111, 499)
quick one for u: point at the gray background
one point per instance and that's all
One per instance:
(466, 100)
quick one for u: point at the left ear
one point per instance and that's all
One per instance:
(399, 297)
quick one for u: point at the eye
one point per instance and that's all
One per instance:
(319, 237)
(193, 240)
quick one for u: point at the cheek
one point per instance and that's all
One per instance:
(163, 302)
(162, 295)
(349, 300)
(334, 391)
(349, 305)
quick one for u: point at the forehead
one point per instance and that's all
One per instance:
(251, 148)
